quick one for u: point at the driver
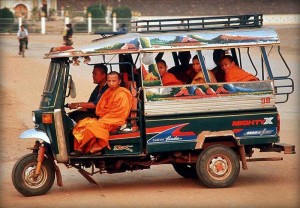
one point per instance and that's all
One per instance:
(87, 109)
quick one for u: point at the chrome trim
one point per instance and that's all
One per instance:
(34, 134)
(60, 135)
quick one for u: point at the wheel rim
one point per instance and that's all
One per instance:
(219, 167)
(31, 180)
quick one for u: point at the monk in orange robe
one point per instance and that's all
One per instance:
(167, 78)
(199, 76)
(233, 73)
(91, 134)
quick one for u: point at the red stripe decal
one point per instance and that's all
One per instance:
(178, 133)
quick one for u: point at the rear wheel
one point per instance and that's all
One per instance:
(186, 170)
(218, 166)
(24, 179)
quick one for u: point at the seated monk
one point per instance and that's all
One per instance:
(167, 78)
(91, 134)
(198, 79)
(199, 76)
(233, 73)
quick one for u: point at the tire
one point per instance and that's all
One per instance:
(23, 171)
(186, 170)
(221, 157)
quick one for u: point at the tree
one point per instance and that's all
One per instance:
(6, 20)
(97, 10)
(6, 13)
(123, 14)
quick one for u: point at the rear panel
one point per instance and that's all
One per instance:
(176, 116)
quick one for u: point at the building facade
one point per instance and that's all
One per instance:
(25, 8)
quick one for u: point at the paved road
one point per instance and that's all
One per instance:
(265, 184)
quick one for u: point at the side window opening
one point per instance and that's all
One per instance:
(250, 63)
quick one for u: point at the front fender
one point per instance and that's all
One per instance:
(34, 134)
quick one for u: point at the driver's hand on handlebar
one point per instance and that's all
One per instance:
(74, 105)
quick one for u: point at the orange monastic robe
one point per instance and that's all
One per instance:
(236, 74)
(199, 78)
(91, 134)
(170, 79)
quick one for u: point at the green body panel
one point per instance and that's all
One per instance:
(247, 127)
(55, 100)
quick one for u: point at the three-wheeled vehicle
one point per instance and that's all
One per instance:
(203, 135)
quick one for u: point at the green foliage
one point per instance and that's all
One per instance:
(35, 13)
(6, 20)
(123, 15)
(122, 12)
(97, 10)
(6, 13)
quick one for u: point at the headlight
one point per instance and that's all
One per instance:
(33, 117)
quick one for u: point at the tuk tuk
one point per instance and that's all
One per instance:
(206, 135)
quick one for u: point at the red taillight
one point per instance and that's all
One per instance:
(278, 124)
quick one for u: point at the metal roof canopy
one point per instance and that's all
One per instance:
(249, 34)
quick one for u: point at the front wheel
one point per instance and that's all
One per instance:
(218, 166)
(24, 179)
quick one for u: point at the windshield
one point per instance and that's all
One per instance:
(52, 77)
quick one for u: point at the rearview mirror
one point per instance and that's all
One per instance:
(71, 87)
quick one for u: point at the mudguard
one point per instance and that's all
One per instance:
(34, 134)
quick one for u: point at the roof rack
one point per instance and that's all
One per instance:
(197, 23)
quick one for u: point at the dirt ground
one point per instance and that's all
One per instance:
(265, 184)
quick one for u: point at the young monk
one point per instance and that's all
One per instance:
(167, 78)
(199, 77)
(91, 134)
(233, 73)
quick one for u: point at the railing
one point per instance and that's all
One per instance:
(198, 23)
(57, 24)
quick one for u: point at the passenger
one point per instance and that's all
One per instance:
(218, 54)
(199, 76)
(184, 71)
(198, 79)
(233, 73)
(87, 109)
(91, 134)
(167, 78)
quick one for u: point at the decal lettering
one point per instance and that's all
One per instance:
(259, 133)
(265, 100)
(268, 120)
(264, 121)
(123, 147)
